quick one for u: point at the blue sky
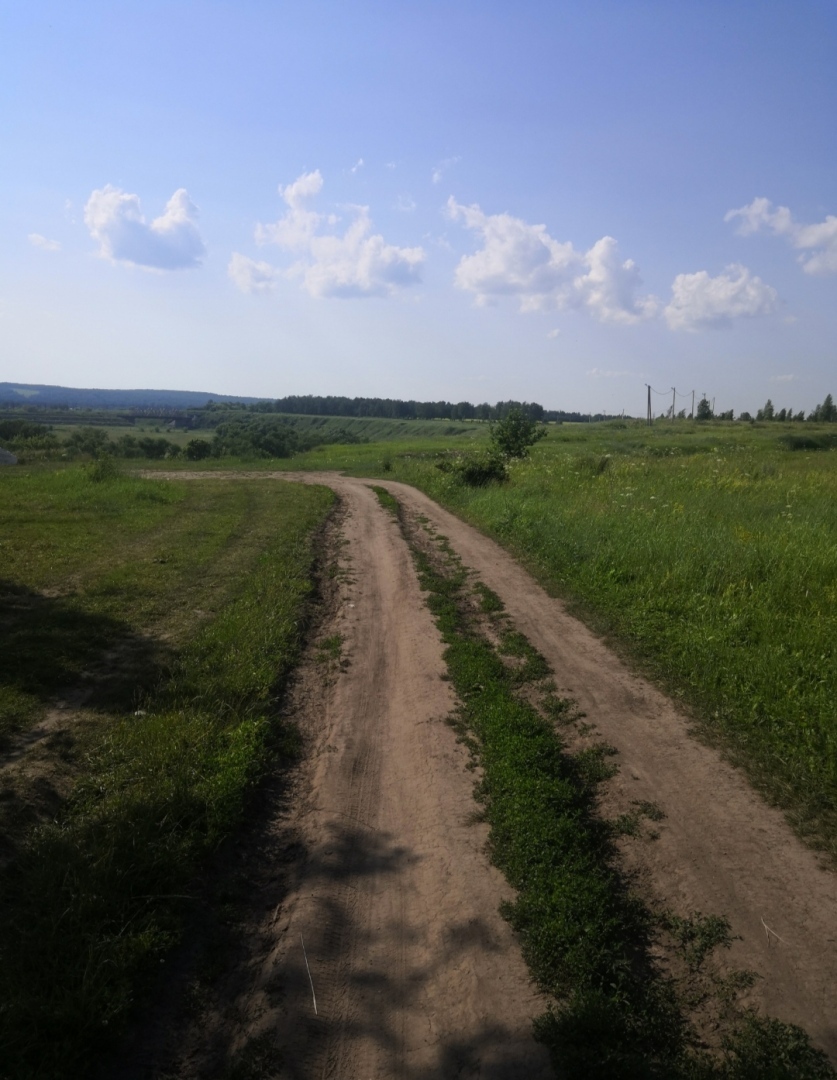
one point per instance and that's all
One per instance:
(470, 200)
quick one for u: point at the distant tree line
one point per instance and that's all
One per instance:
(825, 413)
(396, 409)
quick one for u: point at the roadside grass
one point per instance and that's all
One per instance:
(587, 940)
(216, 578)
(709, 555)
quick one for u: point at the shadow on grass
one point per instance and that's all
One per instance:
(51, 647)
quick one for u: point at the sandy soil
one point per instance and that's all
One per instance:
(414, 972)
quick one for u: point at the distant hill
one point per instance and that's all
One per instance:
(74, 398)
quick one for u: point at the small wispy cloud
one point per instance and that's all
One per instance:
(391, 165)
(553, 333)
(251, 276)
(818, 240)
(357, 165)
(406, 204)
(599, 373)
(440, 169)
(38, 241)
(781, 378)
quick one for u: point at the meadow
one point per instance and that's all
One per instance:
(707, 553)
(150, 628)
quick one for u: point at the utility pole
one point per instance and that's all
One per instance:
(713, 406)
(673, 399)
(693, 406)
(649, 421)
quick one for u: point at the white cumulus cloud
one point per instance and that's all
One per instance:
(699, 301)
(38, 241)
(357, 263)
(251, 276)
(819, 239)
(169, 242)
(523, 261)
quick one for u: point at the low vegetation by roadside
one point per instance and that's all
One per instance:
(245, 436)
(589, 942)
(150, 628)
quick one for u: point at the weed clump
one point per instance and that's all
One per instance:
(476, 469)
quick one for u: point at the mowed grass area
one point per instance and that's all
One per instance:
(166, 617)
(707, 552)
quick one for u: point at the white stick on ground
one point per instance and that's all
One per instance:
(768, 931)
(308, 969)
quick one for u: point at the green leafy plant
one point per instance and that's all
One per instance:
(515, 434)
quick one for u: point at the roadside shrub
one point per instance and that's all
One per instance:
(197, 449)
(476, 469)
(102, 470)
(513, 436)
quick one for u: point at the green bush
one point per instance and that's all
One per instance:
(198, 449)
(513, 436)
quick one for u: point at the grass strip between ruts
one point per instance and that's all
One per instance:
(585, 938)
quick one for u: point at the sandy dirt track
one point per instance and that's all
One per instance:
(415, 973)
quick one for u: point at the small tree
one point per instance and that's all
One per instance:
(513, 436)
(704, 410)
(828, 410)
(197, 449)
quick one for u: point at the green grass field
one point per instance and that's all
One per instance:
(708, 553)
(169, 617)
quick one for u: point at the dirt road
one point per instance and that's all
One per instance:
(414, 972)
